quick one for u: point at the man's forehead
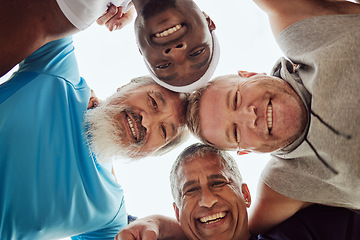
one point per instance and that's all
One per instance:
(201, 163)
(227, 81)
(183, 77)
(153, 87)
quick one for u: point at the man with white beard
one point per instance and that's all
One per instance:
(130, 102)
(52, 182)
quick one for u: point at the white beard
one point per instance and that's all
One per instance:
(106, 135)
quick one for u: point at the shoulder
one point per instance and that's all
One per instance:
(283, 13)
(54, 59)
(271, 208)
(322, 221)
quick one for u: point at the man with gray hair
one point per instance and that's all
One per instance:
(211, 202)
(53, 179)
(305, 114)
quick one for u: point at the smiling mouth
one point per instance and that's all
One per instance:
(269, 116)
(137, 131)
(131, 125)
(212, 218)
(168, 31)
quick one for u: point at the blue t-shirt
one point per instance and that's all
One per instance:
(50, 184)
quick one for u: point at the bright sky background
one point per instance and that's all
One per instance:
(108, 60)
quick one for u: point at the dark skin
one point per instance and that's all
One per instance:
(25, 26)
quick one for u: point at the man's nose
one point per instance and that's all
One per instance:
(150, 120)
(146, 119)
(245, 116)
(177, 53)
(208, 198)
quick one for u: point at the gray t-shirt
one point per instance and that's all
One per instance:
(323, 165)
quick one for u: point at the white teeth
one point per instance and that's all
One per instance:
(131, 126)
(269, 117)
(168, 31)
(213, 218)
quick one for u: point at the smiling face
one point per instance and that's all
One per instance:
(175, 40)
(136, 122)
(260, 113)
(211, 202)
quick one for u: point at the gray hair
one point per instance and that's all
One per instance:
(193, 109)
(200, 150)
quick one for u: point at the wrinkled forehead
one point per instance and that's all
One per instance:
(178, 103)
(184, 77)
(207, 162)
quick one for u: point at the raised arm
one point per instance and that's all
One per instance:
(152, 228)
(283, 13)
(25, 26)
(271, 208)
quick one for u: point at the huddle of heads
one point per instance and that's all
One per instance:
(181, 52)
(256, 112)
(251, 111)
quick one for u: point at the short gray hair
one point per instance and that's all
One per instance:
(200, 150)
(193, 109)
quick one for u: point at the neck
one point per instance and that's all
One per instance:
(246, 236)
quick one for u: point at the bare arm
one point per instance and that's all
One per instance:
(152, 228)
(283, 13)
(25, 26)
(271, 208)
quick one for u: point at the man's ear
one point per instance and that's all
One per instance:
(246, 74)
(246, 193)
(176, 210)
(210, 22)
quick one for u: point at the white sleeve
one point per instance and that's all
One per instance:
(82, 13)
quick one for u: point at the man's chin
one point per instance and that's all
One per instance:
(106, 151)
(107, 139)
(105, 156)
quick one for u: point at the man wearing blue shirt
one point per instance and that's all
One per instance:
(53, 179)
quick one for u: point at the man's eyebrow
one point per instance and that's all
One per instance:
(192, 182)
(168, 78)
(161, 97)
(188, 183)
(227, 134)
(173, 129)
(217, 176)
(164, 103)
(228, 106)
(201, 64)
(228, 100)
